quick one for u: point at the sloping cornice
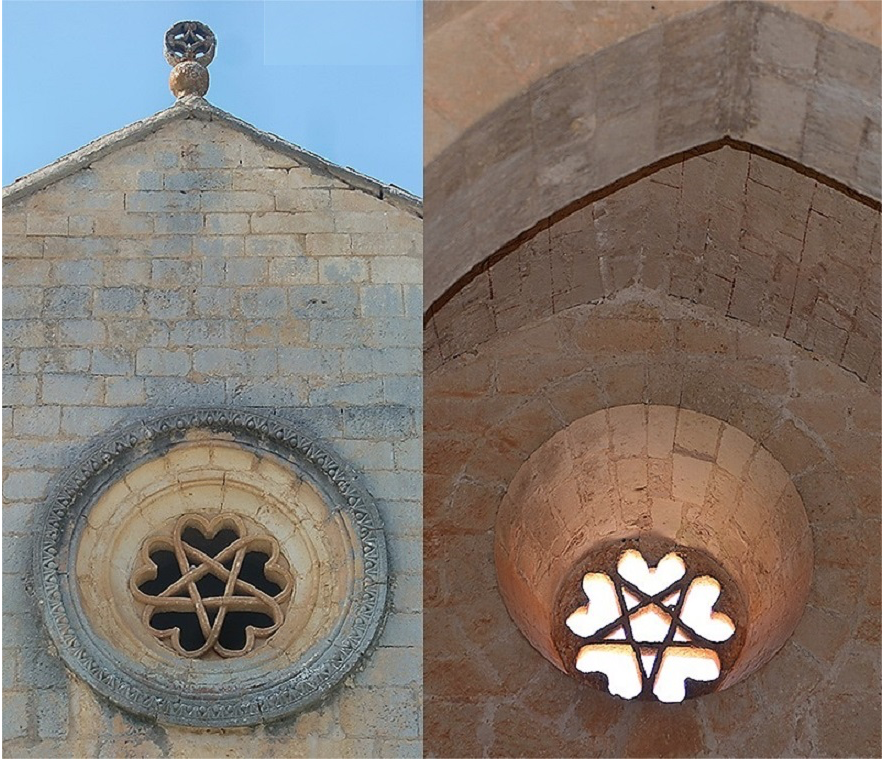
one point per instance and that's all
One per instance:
(198, 108)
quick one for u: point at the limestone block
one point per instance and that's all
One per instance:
(162, 201)
(112, 362)
(223, 247)
(339, 269)
(226, 224)
(125, 391)
(25, 272)
(396, 270)
(72, 389)
(323, 301)
(77, 272)
(263, 302)
(384, 422)
(245, 271)
(779, 114)
(124, 301)
(21, 302)
(787, 45)
(304, 200)
(277, 222)
(382, 301)
(176, 223)
(167, 304)
(39, 224)
(16, 714)
(159, 361)
(219, 361)
(23, 486)
(37, 422)
(293, 270)
(277, 245)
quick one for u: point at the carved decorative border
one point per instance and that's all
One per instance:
(124, 682)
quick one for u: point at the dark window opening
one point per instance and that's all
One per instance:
(189, 632)
(233, 631)
(253, 572)
(210, 584)
(210, 546)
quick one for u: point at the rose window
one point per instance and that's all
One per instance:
(653, 552)
(211, 567)
(210, 586)
(650, 631)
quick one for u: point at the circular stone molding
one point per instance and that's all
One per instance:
(251, 487)
(659, 480)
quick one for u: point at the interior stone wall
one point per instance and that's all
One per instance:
(199, 267)
(488, 693)
(749, 71)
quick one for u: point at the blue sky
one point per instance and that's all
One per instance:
(341, 78)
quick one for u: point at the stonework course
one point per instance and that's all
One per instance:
(192, 261)
(729, 228)
(642, 207)
(637, 86)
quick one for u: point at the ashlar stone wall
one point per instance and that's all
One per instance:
(198, 266)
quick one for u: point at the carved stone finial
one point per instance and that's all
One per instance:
(189, 48)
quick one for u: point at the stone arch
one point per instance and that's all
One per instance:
(748, 71)
(755, 237)
(492, 408)
(515, 44)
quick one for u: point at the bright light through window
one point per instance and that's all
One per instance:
(650, 630)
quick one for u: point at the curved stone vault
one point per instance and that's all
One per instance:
(709, 242)
(728, 227)
(748, 71)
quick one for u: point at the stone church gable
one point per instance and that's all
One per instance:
(237, 145)
(190, 272)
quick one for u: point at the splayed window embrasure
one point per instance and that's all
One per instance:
(650, 630)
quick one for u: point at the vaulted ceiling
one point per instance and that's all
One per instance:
(682, 211)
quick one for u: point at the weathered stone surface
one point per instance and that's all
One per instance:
(634, 87)
(196, 261)
(515, 45)
(752, 238)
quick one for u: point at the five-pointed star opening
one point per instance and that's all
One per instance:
(650, 630)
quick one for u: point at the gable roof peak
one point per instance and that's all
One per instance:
(194, 106)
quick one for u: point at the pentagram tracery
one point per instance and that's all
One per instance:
(207, 585)
(649, 631)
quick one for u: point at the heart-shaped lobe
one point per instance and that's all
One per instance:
(603, 606)
(678, 665)
(697, 611)
(633, 567)
(617, 662)
(210, 535)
